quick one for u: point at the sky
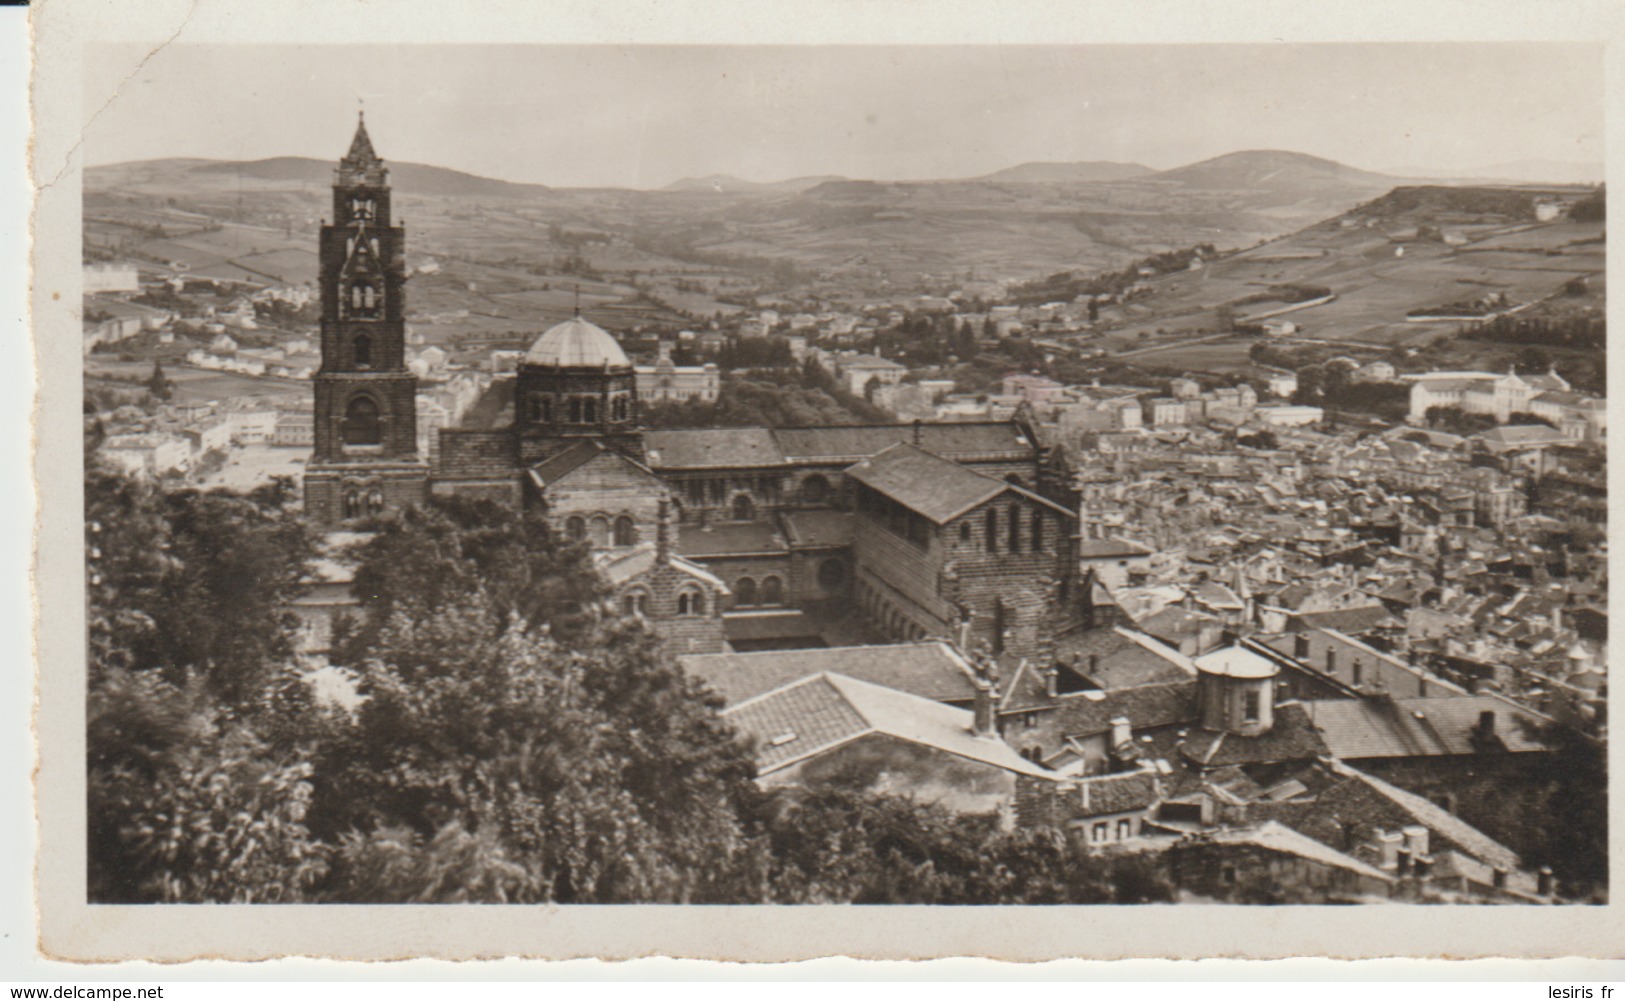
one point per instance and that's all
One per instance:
(642, 116)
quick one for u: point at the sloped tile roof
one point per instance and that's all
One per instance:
(1101, 795)
(1396, 728)
(710, 448)
(927, 484)
(732, 539)
(1115, 658)
(819, 529)
(930, 670)
(1086, 714)
(1352, 621)
(470, 454)
(955, 440)
(1437, 819)
(816, 714)
(1293, 737)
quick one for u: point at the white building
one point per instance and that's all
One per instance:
(665, 382)
(111, 278)
(150, 454)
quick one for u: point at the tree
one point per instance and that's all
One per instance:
(188, 805)
(191, 584)
(158, 384)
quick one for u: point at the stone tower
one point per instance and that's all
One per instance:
(366, 455)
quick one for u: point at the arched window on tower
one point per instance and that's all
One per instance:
(352, 505)
(589, 410)
(1015, 529)
(743, 509)
(375, 502)
(540, 412)
(745, 592)
(364, 298)
(1036, 542)
(575, 410)
(992, 529)
(772, 591)
(598, 530)
(362, 349)
(626, 533)
(690, 602)
(362, 424)
(575, 528)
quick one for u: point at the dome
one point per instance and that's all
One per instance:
(1235, 662)
(575, 343)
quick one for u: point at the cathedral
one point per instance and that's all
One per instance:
(723, 538)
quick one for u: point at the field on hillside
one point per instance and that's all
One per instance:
(1378, 272)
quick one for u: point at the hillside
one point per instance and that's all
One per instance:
(729, 184)
(1068, 173)
(1366, 280)
(853, 238)
(1275, 170)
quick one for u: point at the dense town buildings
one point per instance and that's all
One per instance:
(1171, 620)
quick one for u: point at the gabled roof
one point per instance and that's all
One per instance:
(1400, 728)
(554, 469)
(621, 566)
(1280, 838)
(1436, 819)
(932, 670)
(711, 448)
(927, 484)
(1122, 658)
(1085, 714)
(1521, 436)
(817, 714)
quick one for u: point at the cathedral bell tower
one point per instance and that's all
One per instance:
(366, 457)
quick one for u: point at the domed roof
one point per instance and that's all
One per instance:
(575, 343)
(1236, 662)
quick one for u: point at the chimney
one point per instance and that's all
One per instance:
(1388, 848)
(982, 721)
(1052, 681)
(1486, 723)
(1547, 886)
(663, 532)
(1416, 840)
(1403, 862)
(1122, 732)
(1498, 878)
(665, 349)
(1300, 647)
(919, 432)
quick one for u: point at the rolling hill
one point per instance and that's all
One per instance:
(1068, 173)
(1274, 170)
(859, 235)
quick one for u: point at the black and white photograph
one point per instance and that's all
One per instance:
(1144, 475)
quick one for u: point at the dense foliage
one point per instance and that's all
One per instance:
(796, 397)
(509, 738)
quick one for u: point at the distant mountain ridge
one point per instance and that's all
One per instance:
(1282, 168)
(1057, 172)
(729, 184)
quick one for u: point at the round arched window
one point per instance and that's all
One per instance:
(363, 424)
